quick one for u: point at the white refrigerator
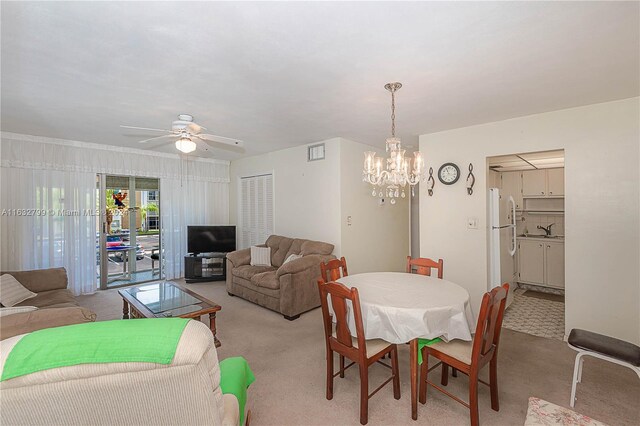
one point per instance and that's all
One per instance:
(502, 240)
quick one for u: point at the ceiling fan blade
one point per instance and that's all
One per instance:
(145, 128)
(158, 137)
(221, 140)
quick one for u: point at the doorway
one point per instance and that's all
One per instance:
(531, 259)
(128, 248)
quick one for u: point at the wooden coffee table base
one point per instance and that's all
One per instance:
(132, 308)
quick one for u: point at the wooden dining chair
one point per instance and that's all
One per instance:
(357, 349)
(423, 266)
(334, 269)
(470, 357)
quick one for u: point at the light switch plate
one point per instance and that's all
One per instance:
(472, 223)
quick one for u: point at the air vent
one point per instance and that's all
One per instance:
(315, 152)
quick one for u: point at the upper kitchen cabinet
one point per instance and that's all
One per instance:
(534, 183)
(555, 182)
(512, 185)
(543, 183)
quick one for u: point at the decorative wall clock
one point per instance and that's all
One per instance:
(449, 173)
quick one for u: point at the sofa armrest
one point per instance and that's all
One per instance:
(299, 284)
(26, 322)
(240, 257)
(303, 263)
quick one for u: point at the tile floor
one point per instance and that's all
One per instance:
(539, 317)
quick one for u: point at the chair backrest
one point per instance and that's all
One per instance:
(334, 269)
(423, 266)
(338, 294)
(489, 325)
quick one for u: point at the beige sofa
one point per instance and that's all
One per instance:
(289, 288)
(56, 305)
(184, 392)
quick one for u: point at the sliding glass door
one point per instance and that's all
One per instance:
(128, 243)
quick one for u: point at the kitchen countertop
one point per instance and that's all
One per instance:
(559, 238)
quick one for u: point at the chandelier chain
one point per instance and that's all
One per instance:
(393, 113)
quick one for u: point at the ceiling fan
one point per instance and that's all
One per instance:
(188, 135)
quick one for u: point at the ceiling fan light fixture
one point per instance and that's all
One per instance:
(186, 145)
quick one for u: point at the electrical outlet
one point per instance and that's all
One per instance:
(472, 223)
(349, 221)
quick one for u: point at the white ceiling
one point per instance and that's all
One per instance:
(283, 74)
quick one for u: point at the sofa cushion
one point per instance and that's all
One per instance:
(12, 292)
(316, 247)
(50, 299)
(296, 247)
(279, 248)
(260, 256)
(41, 279)
(248, 271)
(266, 280)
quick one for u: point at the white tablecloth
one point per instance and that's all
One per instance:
(399, 307)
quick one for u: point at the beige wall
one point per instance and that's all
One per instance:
(602, 213)
(314, 199)
(306, 204)
(378, 238)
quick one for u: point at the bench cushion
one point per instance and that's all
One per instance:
(605, 345)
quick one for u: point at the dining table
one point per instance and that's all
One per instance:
(401, 307)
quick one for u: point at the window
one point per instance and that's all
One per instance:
(152, 196)
(256, 210)
(152, 223)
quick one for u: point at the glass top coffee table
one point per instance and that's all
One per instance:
(166, 299)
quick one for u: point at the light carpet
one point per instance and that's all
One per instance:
(288, 359)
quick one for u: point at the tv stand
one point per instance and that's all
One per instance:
(205, 267)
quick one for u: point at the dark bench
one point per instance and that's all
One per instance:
(610, 349)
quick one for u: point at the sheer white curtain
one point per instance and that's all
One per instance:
(48, 220)
(184, 203)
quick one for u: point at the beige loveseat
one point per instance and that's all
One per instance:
(289, 288)
(56, 305)
(184, 392)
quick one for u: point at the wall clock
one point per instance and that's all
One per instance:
(448, 173)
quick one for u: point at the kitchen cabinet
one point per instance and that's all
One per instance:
(555, 182)
(512, 185)
(543, 183)
(554, 264)
(531, 256)
(541, 262)
(534, 183)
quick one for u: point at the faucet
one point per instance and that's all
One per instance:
(547, 230)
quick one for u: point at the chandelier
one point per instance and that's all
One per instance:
(389, 178)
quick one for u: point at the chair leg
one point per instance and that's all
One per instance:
(424, 374)
(396, 373)
(493, 383)
(454, 372)
(364, 394)
(330, 375)
(576, 374)
(444, 380)
(473, 399)
(342, 366)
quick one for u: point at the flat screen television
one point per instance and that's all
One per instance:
(211, 239)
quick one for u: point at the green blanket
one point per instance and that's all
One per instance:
(235, 378)
(141, 340)
(425, 342)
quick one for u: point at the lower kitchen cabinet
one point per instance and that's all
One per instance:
(554, 264)
(541, 262)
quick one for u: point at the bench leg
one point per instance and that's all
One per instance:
(580, 370)
(577, 372)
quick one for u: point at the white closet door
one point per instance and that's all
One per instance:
(256, 210)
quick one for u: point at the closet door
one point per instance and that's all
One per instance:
(255, 210)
